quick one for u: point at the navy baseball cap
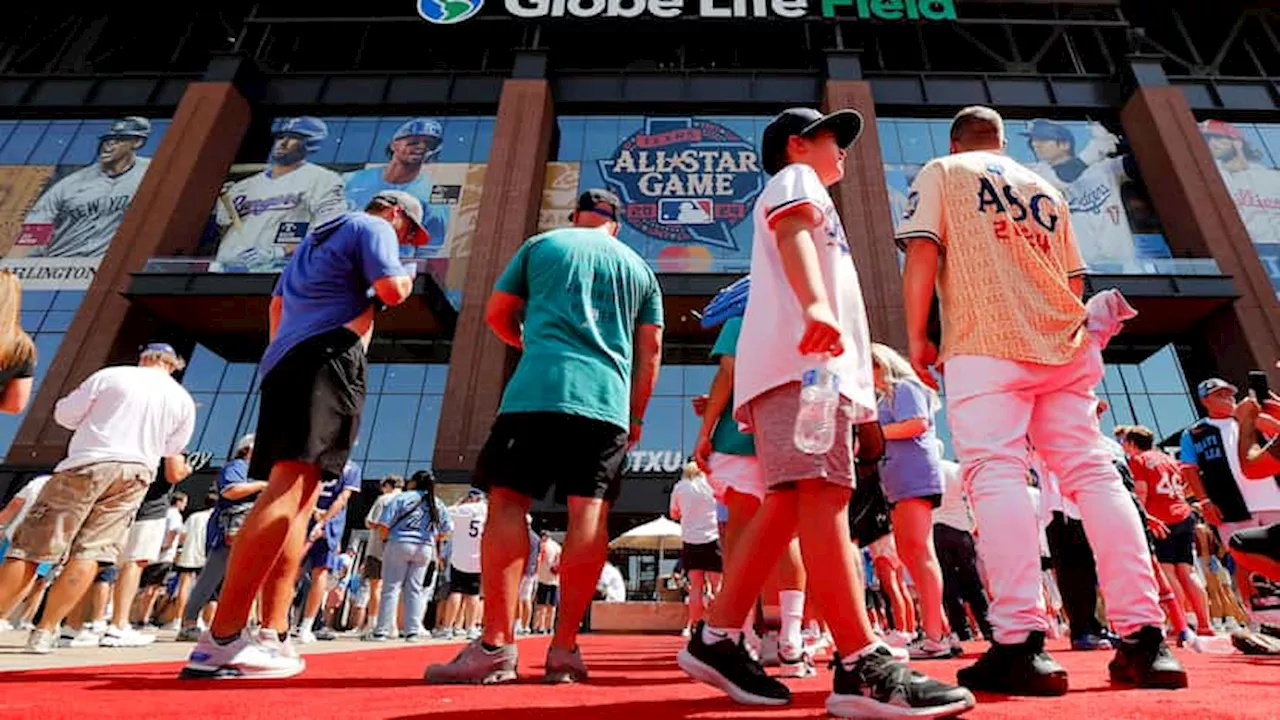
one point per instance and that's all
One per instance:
(1212, 385)
(1049, 130)
(846, 124)
(412, 207)
(159, 348)
(592, 199)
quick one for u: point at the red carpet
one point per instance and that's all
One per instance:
(632, 677)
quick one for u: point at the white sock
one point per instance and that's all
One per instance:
(792, 611)
(307, 624)
(712, 635)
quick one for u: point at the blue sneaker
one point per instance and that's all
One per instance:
(1090, 642)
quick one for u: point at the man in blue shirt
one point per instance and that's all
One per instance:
(324, 538)
(587, 312)
(312, 393)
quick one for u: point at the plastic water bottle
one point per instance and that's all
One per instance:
(816, 421)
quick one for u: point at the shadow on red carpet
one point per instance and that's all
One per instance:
(632, 677)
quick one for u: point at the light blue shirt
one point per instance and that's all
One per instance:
(416, 526)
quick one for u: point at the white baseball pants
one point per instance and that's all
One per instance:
(994, 407)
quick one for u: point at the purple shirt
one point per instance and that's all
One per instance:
(326, 283)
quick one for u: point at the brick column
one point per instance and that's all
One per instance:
(480, 363)
(166, 217)
(1200, 219)
(863, 200)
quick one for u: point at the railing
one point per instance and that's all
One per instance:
(1197, 267)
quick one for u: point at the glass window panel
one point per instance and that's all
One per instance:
(57, 321)
(361, 449)
(890, 151)
(9, 425)
(697, 379)
(204, 371)
(424, 434)
(382, 468)
(571, 130)
(224, 418)
(376, 374)
(1271, 139)
(1111, 379)
(917, 145)
(55, 142)
(670, 381)
(22, 141)
(393, 427)
(662, 424)
(1121, 409)
(483, 142)
(459, 135)
(68, 300)
(940, 133)
(329, 148)
(249, 420)
(83, 149)
(1162, 373)
(31, 320)
(437, 376)
(37, 299)
(6, 128)
(204, 406)
(387, 128)
(158, 129)
(403, 379)
(357, 140)
(1143, 413)
(1173, 413)
(240, 377)
(46, 347)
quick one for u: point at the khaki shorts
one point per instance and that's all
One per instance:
(773, 422)
(83, 514)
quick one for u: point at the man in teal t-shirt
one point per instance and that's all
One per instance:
(586, 311)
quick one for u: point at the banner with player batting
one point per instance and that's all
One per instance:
(1248, 157)
(318, 168)
(1114, 219)
(64, 188)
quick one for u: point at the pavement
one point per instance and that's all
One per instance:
(164, 649)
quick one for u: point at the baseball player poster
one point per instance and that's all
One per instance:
(1248, 156)
(319, 168)
(69, 213)
(1114, 220)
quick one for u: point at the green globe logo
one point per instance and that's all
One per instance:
(448, 12)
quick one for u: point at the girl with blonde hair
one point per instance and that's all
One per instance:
(693, 505)
(911, 475)
(17, 351)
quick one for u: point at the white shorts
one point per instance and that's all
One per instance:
(740, 473)
(146, 537)
(527, 587)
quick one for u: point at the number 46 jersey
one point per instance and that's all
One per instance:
(468, 526)
(1166, 501)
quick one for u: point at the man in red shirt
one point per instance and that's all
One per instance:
(1157, 479)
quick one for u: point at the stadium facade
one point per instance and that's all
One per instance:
(153, 182)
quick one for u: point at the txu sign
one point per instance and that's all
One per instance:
(446, 12)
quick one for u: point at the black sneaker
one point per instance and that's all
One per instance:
(880, 686)
(727, 665)
(1022, 669)
(1143, 659)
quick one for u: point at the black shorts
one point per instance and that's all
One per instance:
(1263, 541)
(464, 583)
(186, 570)
(372, 568)
(702, 556)
(1175, 549)
(546, 595)
(527, 453)
(154, 574)
(310, 405)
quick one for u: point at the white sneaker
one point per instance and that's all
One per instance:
(270, 639)
(926, 648)
(244, 658)
(125, 638)
(174, 626)
(475, 633)
(795, 662)
(5, 626)
(85, 637)
(41, 642)
(305, 636)
(897, 639)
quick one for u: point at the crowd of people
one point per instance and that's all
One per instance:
(820, 446)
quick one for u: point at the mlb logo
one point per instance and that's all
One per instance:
(686, 211)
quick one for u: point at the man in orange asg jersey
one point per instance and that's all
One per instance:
(996, 240)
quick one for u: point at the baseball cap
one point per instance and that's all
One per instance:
(412, 209)
(847, 125)
(160, 348)
(1048, 130)
(1212, 385)
(475, 493)
(1223, 129)
(592, 199)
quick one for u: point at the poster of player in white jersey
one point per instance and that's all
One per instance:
(1252, 180)
(415, 144)
(262, 217)
(65, 233)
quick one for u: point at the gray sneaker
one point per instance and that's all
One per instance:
(476, 666)
(564, 666)
(41, 642)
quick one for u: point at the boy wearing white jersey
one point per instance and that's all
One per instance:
(265, 215)
(806, 310)
(461, 611)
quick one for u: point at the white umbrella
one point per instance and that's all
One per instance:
(653, 535)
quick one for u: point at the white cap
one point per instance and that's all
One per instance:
(243, 444)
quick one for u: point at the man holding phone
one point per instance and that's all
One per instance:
(1212, 470)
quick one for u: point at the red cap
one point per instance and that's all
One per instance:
(1219, 127)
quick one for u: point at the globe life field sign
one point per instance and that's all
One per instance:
(446, 12)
